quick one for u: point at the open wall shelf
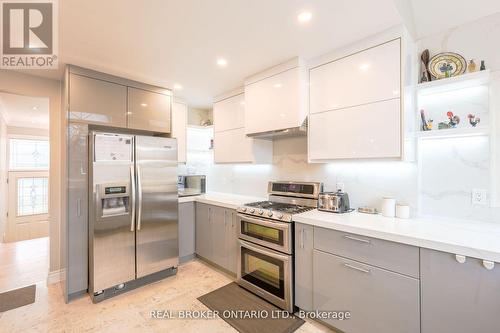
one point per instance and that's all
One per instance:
(454, 83)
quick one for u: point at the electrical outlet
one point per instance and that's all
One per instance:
(479, 197)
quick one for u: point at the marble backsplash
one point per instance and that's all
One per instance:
(439, 184)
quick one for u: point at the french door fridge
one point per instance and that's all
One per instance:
(133, 229)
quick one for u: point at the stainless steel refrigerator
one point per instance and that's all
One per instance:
(133, 216)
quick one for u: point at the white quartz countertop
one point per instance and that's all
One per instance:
(226, 200)
(470, 238)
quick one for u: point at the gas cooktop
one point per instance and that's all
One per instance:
(285, 199)
(273, 210)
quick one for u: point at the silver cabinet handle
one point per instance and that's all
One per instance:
(489, 265)
(78, 207)
(139, 198)
(302, 238)
(357, 268)
(132, 196)
(82, 169)
(365, 241)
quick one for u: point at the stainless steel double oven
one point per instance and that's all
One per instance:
(265, 262)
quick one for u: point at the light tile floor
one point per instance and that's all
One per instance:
(129, 312)
(23, 263)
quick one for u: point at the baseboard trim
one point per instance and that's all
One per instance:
(55, 276)
(187, 258)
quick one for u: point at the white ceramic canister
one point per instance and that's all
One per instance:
(388, 207)
(402, 211)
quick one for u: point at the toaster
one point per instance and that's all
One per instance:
(335, 202)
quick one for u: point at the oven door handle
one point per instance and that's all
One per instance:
(262, 250)
(273, 224)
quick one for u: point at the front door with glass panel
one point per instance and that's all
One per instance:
(28, 190)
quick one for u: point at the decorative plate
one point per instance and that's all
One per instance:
(447, 64)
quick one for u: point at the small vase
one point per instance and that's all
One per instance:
(472, 66)
(483, 67)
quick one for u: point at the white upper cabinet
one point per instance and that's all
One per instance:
(355, 106)
(366, 131)
(231, 144)
(365, 77)
(179, 128)
(276, 98)
(229, 113)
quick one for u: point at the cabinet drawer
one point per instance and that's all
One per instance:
(379, 301)
(392, 256)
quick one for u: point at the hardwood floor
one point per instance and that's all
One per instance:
(23, 263)
(129, 312)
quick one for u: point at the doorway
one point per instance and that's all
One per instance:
(24, 190)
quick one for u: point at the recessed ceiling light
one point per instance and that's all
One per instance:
(222, 62)
(35, 108)
(144, 105)
(304, 17)
(364, 67)
(177, 86)
(278, 85)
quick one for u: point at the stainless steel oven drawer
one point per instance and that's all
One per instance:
(267, 273)
(269, 233)
(396, 257)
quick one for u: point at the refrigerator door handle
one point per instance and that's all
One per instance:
(132, 194)
(139, 198)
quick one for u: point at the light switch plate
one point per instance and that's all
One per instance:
(480, 197)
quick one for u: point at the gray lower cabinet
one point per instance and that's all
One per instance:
(458, 298)
(216, 235)
(304, 266)
(231, 240)
(203, 231)
(186, 231)
(379, 301)
(218, 239)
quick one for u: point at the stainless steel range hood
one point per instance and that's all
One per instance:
(282, 133)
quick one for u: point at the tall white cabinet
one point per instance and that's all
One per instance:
(231, 145)
(355, 106)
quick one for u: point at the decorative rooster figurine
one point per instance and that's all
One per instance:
(453, 119)
(473, 120)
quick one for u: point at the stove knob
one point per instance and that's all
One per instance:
(270, 214)
(261, 212)
(280, 216)
(252, 210)
(243, 209)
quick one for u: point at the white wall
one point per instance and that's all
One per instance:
(29, 131)
(3, 176)
(198, 116)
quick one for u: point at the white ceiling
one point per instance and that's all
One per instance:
(427, 17)
(164, 42)
(24, 111)
(167, 42)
